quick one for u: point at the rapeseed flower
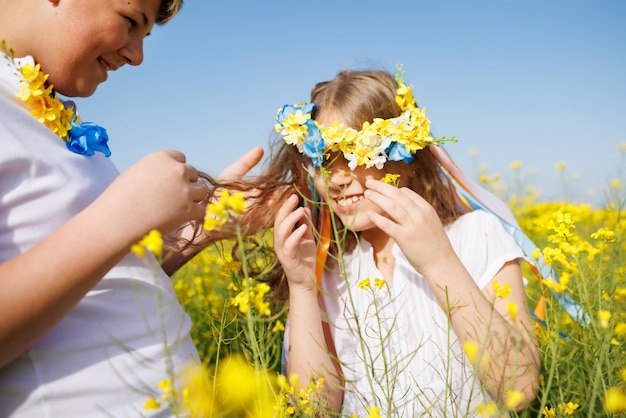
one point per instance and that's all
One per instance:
(227, 206)
(152, 242)
(513, 398)
(615, 401)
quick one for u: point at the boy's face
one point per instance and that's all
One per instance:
(90, 38)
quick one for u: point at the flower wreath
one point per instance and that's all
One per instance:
(382, 140)
(80, 137)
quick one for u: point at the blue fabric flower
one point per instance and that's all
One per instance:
(314, 144)
(398, 152)
(289, 109)
(86, 138)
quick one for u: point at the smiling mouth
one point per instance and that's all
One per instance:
(347, 201)
(105, 65)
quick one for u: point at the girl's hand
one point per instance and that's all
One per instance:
(412, 223)
(294, 243)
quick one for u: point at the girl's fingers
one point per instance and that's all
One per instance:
(400, 204)
(286, 219)
(391, 201)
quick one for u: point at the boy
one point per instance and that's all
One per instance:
(87, 328)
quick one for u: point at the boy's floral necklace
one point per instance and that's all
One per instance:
(80, 137)
(382, 140)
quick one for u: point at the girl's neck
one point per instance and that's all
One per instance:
(383, 257)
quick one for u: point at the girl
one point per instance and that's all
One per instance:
(421, 308)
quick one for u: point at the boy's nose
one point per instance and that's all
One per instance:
(132, 52)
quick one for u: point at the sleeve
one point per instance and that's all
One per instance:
(483, 245)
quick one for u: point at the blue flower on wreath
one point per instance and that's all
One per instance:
(398, 152)
(314, 143)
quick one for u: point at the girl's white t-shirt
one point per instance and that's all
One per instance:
(396, 346)
(107, 356)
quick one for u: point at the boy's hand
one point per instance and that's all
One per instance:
(241, 167)
(159, 192)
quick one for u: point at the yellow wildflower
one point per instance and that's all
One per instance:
(511, 307)
(513, 398)
(391, 179)
(279, 326)
(515, 165)
(252, 296)
(615, 184)
(559, 287)
(373, 412)
(218, 213)
(488, 410)
(615, 401)
(169, 393)
(153, 242)
(379, 283)
(471, 348)
(151, 404)
(604, 234)
(549, 412)
(620, 329)
(568, 408)
(364, 284)
(603, 317)
(236, 381)
(501, 291)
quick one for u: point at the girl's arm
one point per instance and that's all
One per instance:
(508, 357)
(177, 255)
(40, 286)
(308, 353)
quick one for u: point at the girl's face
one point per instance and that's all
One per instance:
(92, 37)
(343, 188)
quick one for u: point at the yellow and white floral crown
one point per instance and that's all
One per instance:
(382, 140)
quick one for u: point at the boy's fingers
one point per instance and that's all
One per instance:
(241, 167)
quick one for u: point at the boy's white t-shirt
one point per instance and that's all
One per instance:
(107, 356)
(400, 352)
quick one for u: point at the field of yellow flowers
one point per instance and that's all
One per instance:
(239, 330)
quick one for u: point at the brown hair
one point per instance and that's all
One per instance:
(168, 9)
(358, 96)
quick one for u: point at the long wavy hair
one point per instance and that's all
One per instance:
(358, 96)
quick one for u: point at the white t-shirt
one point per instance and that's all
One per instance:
(107, 356)
(427, 371)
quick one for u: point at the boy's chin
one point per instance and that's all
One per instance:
(78, 90)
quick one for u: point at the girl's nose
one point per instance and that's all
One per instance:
(341, 176)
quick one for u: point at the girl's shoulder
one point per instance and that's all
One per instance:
(482, 244)
(476, 221)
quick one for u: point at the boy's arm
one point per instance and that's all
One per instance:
(41, 285)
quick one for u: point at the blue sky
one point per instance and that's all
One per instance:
(539, 82)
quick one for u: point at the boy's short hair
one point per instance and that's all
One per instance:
(168, 9)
